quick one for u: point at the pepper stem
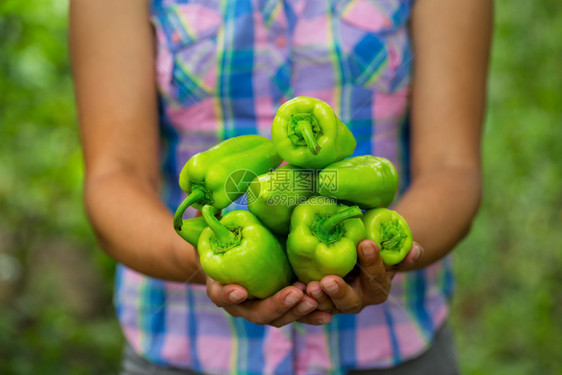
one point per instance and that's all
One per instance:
(195, 196)
(392, 236)
(224, 236)
(392, 242)
(350, 213)
(304, 128)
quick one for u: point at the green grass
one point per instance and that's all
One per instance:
(508, 308)
(56, 315)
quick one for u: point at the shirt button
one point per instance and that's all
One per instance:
(281, 41)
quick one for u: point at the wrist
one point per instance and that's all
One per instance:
(187, 260)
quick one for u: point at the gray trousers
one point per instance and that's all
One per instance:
(439, 359)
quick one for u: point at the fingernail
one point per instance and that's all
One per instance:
(235, 296)
(419, 252)
(324, 320)
(292, 298)
(305, 306)
(316, 292)
(300, 285)
(368, 251)
(331, 286)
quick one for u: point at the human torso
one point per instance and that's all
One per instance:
(223, 69)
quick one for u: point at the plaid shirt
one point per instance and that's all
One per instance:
(223, 68)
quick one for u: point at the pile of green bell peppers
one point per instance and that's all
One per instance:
(305, 218)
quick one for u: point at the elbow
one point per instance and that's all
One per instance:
(474, 192)
(92, 200)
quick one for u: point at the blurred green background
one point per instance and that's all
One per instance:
(56, 315)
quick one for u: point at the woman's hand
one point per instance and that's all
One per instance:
(316, 303)
(370, 287)
(288, 305)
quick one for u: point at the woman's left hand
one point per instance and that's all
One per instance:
(370, 287)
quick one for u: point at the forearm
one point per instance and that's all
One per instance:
(439, 207)
(451, 42)
(113, 69)
(135, 228)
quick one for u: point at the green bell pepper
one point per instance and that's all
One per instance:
(390, 232)
(323, 239)
(367, 181)
(191, 229)
(273, 196)
(307, 133)
(238, 249)
(223, 173)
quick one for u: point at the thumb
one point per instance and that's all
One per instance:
(368, 254)
(374, 278)
(412, 260)
(413, 257)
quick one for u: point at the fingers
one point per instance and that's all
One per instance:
(316, 318)
(411, 261)
(375, 283)
(314, 290)
(343, 296)
(286, 306)
(269, 309)
(315, 311)
(225, 295)
(305, 306)
(300, 285)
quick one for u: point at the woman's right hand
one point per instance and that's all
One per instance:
(288, 305)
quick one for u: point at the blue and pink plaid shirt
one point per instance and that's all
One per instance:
(223, 69)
